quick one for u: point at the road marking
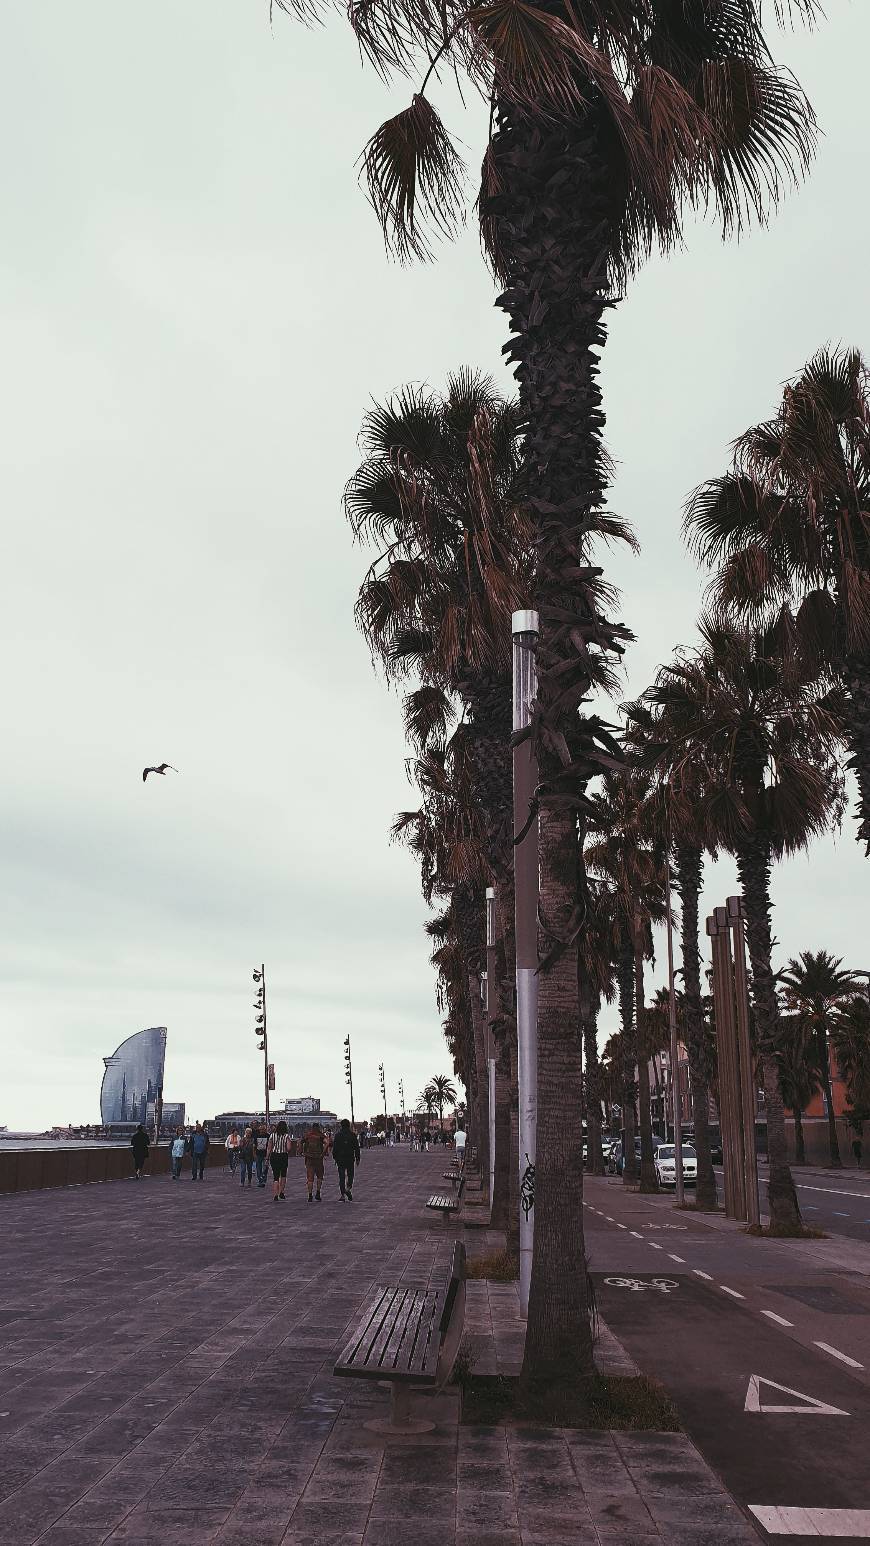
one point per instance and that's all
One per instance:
(836, 1214)
(608, 1218)
(825, 1522)
(780, 1320)
(699, 1274)
(810, 1406)
(654, 1245)
(832, 1191)
(622, 1226)
(661, 1285)
(732, 1291)
(835, 1353)
(677, 1258)
(636, 1235)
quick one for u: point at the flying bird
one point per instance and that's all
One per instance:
(162, 769)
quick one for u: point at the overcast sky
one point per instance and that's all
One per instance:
(196, 311)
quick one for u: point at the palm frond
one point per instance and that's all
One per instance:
(415, 179)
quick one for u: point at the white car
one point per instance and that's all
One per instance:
(666, 1165)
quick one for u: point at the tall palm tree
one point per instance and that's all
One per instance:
(790, 526)
(766, 741)
(607, 117)
(625, 849)
(798, 1071)
(444, 1091)
(814, 985)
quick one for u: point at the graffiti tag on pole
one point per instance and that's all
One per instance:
(527, 1188)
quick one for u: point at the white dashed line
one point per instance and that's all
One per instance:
(699, 1274)
(732, 1291)
(654, 1246)
(622, 1226)
(843, 1357)
(780, 1321)
(677, 1258)
(635, 1234)
(608, 1218)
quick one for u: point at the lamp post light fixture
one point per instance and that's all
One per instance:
(384, 1096)
(402, 1103)
(348, 1074)
(260, 1029)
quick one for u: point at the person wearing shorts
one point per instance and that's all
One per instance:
(313, 1149)
(276, 1154)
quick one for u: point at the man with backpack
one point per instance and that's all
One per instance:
(345, 1152)
(313, 1150)
(199, 1145)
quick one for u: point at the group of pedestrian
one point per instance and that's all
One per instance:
(265, 1151)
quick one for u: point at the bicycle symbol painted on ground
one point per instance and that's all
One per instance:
(658, 1285)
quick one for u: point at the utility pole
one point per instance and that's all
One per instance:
(348, 1075)
(676, 1093)
(526, 882)
(261, 1029)
(402, 1103)
(384, 1097)
(491, 1007)
(736, 909)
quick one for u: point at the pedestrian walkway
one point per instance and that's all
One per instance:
(166, 1357)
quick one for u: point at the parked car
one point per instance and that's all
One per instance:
(666, 1165)
(615, 1161)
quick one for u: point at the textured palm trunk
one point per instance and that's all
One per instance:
(590, 1003)
(504, 901)
(558, 1348)
(481, 1077)
(825, 1076)
(858, 721)
(800, 1153)
(625, 985)
(753, 866)
(689, 870)
(648, 1177)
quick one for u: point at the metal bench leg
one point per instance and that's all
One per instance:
(400, 1420)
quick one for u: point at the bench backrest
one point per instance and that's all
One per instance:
(455, 1276)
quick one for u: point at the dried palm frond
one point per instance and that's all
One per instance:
(415, 178)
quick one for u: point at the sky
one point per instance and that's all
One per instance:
(197, 310)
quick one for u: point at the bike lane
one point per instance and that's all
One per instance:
(799, 1472)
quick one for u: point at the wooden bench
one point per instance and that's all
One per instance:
(448, 1205)
(408, 1337)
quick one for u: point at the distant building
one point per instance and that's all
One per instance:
(302, 1105)
(133, 1079)
(298, 1123)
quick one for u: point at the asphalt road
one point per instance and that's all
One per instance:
(837, 1201)
(729, 1316)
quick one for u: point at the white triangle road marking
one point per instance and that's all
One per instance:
(825, 1522)
(809, 1405)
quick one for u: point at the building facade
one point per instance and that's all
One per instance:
(133, 1078)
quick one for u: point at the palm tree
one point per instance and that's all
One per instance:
(850, 1039)
(444, 1091)
(814, 985)
(789, 525)
(766, 741)
(798, 1072)
(608, 117)
(626, 851)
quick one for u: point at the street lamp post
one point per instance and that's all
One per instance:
(402, 1103)
(676, 1093)
(526, 881)
(261, 1029)
(348, 1074)
(384, 1097)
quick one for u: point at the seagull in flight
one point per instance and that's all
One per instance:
(162, 769)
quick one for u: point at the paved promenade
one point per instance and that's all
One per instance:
(165, 1377)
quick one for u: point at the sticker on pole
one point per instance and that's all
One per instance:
(809, 1406)
(636, 1285)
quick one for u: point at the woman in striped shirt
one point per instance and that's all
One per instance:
(276, 1156)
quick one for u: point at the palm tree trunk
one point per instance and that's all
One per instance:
(504, 902)
(689, 869)
(558, 1348)
(590, 1001)
(858, 721)
(800, 1153)
(648, 1177)
(625, 985)
(825, 1076)
(481, 1076)
(753, 867)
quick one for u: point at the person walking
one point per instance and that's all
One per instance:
(141, 1149)
(857, 1148)
(277, 1153)
(345, 1152)
(313, 1149)
(459, 1139)
(247, 1155)
(232, 1147)
(176, 1153)
(199, 1147)
(261, 1139)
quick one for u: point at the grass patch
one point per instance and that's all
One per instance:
(773, 1232)
(496, 1267)
(696, 1207)
(628, 1405)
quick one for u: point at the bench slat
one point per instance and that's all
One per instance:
(392, 1328)
(424, 1358)
(365, 1327)
(392, 1336)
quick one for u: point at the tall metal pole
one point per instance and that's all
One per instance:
(384, 1095)
(525, 768)
(721, 916)
(676, 1094)
(348, 1076)
(722, 1068)
(736, 914)
(265, 1045)
(490, 1013)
